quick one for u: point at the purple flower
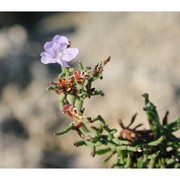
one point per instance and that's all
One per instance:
(57, 51)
